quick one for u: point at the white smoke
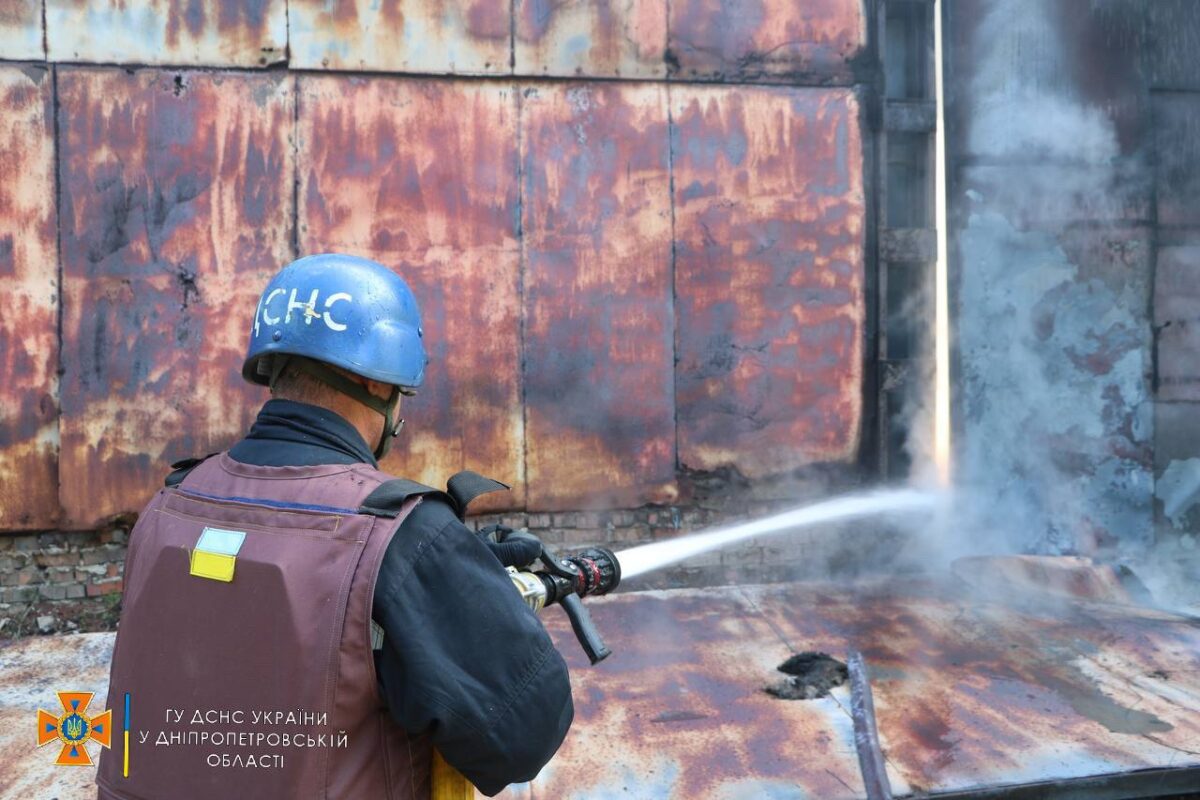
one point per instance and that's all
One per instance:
(1053, 397)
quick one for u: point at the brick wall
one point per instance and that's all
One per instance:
(61, 566)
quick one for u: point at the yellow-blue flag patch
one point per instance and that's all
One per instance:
(216, 553)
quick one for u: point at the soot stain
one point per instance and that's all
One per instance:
(810, 676)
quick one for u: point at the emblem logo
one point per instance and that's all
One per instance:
(74, 728)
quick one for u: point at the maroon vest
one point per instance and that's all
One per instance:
(264, 685)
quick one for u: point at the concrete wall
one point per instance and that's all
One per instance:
(1075, 217)
(639, 232)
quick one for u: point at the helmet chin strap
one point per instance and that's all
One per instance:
(353, 389)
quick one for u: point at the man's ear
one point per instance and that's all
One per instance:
(380, 390)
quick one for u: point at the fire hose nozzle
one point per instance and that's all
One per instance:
(594, 571)
(599, 571)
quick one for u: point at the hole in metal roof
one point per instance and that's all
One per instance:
(809, 676)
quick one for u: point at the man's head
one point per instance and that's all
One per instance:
(332, 327)
(296, 382)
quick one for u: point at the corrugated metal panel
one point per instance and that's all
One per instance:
(211, 32)
(28, 284)
(769, 220)
(605, 38)
(766, 40)
(1178, 355)
(969, 692)
(1177, 281)
(177, 192)
(598, 374)
(21, 30)
(430, 36)
(422, 176)
(1088, 70)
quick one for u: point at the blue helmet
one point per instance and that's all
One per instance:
(343, 310)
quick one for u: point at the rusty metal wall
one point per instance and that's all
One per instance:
(29, 288)
(814, 42)
(424, 36)
(21, 30)
(626, 283)
(769, 211)
(598, 306)
(1173, 34)
(608, 38)
(212, 32)
(421, 174)
(176, 210)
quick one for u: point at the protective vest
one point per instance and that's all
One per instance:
(244, 653)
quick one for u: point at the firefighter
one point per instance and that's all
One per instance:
(298, 624)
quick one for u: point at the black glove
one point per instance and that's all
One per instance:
(512, 548)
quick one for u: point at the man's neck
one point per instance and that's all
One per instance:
(291, 433)
(362, 419)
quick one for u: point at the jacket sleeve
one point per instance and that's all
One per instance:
(464, 659)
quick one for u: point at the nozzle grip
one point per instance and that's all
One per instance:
(585, 630)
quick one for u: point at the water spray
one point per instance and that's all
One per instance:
(649, 557)
(598, 570)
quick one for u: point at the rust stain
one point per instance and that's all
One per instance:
(602, 38)
(177, 189)
(599, 317)
(421, 175)
(970, 692)
(28, 284)
(424, 36)
(766, 40)
(678, 710)
(769, 220)
(974, 688)
(21, 30)
(185, 32)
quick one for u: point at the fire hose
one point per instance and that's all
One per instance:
(563, 581)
